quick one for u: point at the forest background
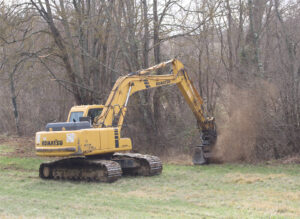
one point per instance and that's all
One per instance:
(243, 56)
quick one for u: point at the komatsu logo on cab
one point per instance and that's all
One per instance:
(54, 142)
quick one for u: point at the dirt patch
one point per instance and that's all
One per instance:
(22, 146)
(291, 160)
(295, 159)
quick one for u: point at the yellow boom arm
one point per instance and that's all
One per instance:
(115, 107)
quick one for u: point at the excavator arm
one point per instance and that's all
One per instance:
(116, 106)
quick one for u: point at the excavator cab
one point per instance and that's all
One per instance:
(84, 113)
(80, 117)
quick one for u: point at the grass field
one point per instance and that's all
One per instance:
(214, 191)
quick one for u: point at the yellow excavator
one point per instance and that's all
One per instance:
(90, 140)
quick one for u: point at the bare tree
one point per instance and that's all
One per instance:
(83, 45)
(14, 42)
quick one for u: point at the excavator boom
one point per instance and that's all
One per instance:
(115, 106)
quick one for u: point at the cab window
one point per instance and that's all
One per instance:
(74, 117)
(93, 113)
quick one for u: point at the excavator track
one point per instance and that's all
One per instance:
(138, 164)
(81, 168)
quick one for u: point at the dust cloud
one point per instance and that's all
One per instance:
(239, 123)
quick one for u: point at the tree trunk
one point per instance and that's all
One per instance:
(146, 35)
(14, 103)
(156, 98)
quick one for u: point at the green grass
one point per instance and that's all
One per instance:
(6, 149)
(214, 191)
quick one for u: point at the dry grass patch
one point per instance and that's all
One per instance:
(18, 146)
(251, 178)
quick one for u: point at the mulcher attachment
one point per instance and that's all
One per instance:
(202, 153)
